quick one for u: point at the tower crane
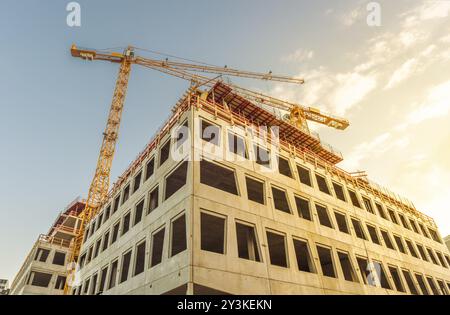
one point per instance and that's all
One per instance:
(98, 189)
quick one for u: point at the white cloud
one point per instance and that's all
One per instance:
(351, 89)
(427, 51)
(299, 55)
(402, 73)
(374, 148)
(412, 37)
(445, 39)
(392, 57)
(436, 104)
(431, 196)
(363, 150)
(413, 66)
(334, 92)
(429, 10)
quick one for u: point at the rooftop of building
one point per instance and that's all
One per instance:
(241, 111)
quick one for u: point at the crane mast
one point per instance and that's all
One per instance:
(100, 183)
(99, 187)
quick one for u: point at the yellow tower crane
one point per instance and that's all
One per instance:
(188, 71)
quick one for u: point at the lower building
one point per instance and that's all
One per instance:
(4, 287)
(447, 241)
(44, 269)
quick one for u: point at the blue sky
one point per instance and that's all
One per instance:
(53, 107)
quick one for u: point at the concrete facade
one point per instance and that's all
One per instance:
(44, 270)
(4, 287)
(284, 251)
(447, 241)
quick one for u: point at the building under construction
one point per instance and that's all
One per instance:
(232, 197)
(276, 216)
(44, 270)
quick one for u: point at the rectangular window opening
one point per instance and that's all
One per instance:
(341, 221)
(354, 198)
(41, 255)
(157, 247)
(149, 168)
(212, 233)
(305, 175)
(280, 200)
(247, 242)
(236, 145)
(433, 258)
(396, 278)
(368, 205)
(339, 191)
(93, 287)
(209, 132)
(347, 267)
(322, 183)
(113, 275)
(176, 180)
(382, 277)
(116, 204)
(139, 264)
(303, 256)
(283, 167)
(126, 193)
(381, 211)
(138, 212)
(422, 253)
(153, 199)
(432, 285)
(364, 271)
(105, 241)
(399, 242)
(373, 234)
(324, 218)
(410, 282)
(60, 282)
(41, 279)
(126, 223)
(387, 239)
(59, 258)
(164, 153)
(255, 190)
(411, 248)
(393, 216)
(126, 259)
(422, 284)
(178, 235)
(277, 249)
(137, 182)
(115, 232)
(262, 155)
(358, 229)
(326, 261)
(303, 208)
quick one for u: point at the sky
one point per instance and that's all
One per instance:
(390, 81)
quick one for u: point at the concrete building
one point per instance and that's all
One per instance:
(273, 217)
(447, 241)
(4, 287)
(44, 269)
